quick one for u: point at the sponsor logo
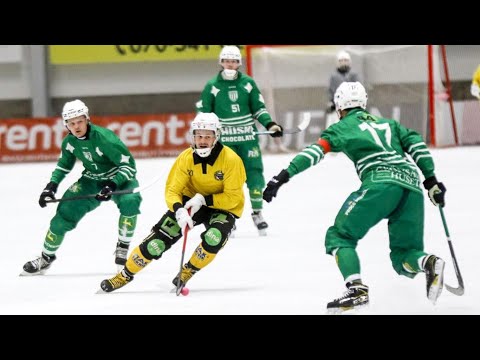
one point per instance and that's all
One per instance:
(254, 153)
(138, 260)
(127, 222)
(218, 175)
(238, 130)
(51, 236)
(199, 253)
(353, 203)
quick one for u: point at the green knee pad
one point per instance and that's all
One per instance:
(156, 247)
(213, 237)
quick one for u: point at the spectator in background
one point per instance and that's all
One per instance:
(475, 87)
(342, 73)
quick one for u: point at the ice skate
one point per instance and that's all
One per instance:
(38, 266)
(433, 268)
(260, 222)
(184, 276)
(355, 298)
(115, 283)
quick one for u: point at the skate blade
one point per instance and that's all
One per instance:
(174, 291)
(24, 273)
(347, 311)
(179, 292)
(100, 291)
(262, 232)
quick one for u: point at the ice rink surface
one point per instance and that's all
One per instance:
(285, 273)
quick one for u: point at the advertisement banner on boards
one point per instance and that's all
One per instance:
(40, 139)
(92, 54)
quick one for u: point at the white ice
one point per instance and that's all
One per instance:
(286, 272)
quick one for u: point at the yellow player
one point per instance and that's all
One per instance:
(207, 179)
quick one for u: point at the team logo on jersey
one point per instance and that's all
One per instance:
(88, 155)
(233, 95)
(218, 175)
(75, 188)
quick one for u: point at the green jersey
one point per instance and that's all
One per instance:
(103, 154)
(237, 103)
(378, 147)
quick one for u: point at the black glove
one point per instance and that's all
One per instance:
(436, 191)
(273, 185)
(278, 130)
(106, 193)
(47, 194)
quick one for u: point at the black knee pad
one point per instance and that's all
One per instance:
(213, 239)
(166, 231)
(152, 247)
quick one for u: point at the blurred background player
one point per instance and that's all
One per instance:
(108, 166)
(207, 179)
(390, 190)
(475, 87)
(237, 101)
(342, 73)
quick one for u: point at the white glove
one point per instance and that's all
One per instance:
(183, 218)
(475, 90)
(195, 203)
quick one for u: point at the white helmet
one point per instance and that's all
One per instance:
(344, 61)
(350, 95)
(205, 121)
(73, 109)
(230, 52)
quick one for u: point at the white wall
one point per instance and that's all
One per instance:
(155, 77)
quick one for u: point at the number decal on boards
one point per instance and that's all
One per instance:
(374, 129)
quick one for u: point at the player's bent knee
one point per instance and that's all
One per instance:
(213, 240)
(131, 205)
(153, 248)
(61, 224)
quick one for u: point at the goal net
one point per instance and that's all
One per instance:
(403, 82)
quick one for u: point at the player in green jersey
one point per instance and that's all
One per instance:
(238, 102)
(390, 190)
(108, 166)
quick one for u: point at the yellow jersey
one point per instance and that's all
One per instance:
(220, 178)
